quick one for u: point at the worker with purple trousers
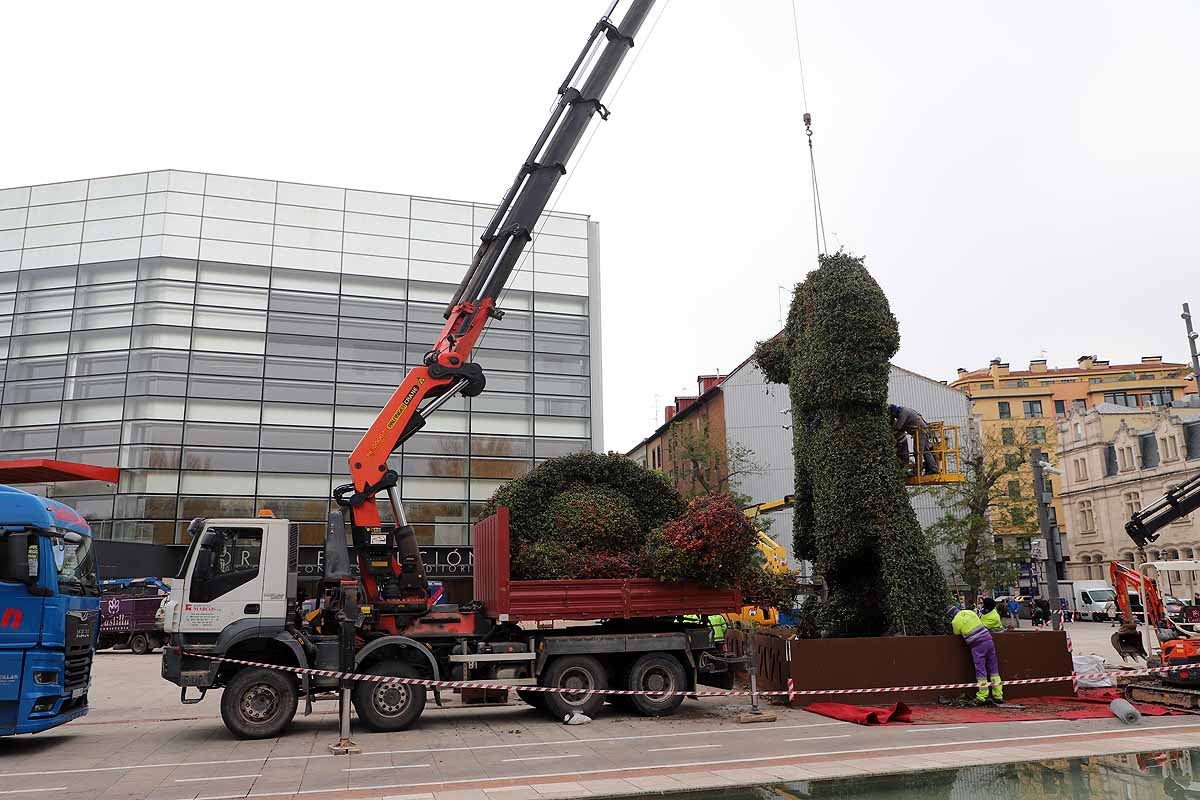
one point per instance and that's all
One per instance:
(966, 623)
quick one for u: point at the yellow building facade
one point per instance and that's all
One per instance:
(1018, 409)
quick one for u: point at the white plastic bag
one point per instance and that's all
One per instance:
(1089, 665)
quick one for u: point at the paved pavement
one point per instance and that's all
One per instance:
(139, 743)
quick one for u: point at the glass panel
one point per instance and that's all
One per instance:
(208, 410)
(162, 314)
(54, 300)
(297, 414)
(153, 481)
(105, 317)
(559, 303)
(501, 446)
(41, 322)
(117, 228)
(26, 438)
(161, 336)
(376, 224)
(298, 392)
(300, 369)
(234, 365)
(294, 508)
(97, 386)
(149, 456)
(138, 432)
(229, 320)
(281, 344)
(153, 408)
(91, 410)
(385, 287)
(353, 395)
(226, 459)
(216, 507)
(505, 403)
(499, 468)
(164, 291)
(30, 368)
(304, 324)
(215, 482)
(228, 186)
(379, 310)
(55, 214)
(294, 461)
(385, 374)
(434, 466)
(561, 245)
(302, 259)
(303, 303)
(328, 218)
(41, 345)
(104, 339)
(54, 234)
(368, 244)
(179, 269)
(361, 350)
(552, 448)
(509, 381)
(220, 434)
(304, 280)
(562, 426)
(435, 488)
(142, 531)
(450, 444)
(33, 391)
(297, 438)
(231, 296)
(107, 272)
(293, 485)
(145, 506)
(563, 406)
(396, 205)
(357, 264)
(92, 435)
(559, 365)
(116, 185)
(556, 343)
(156, 361)
(224, 387)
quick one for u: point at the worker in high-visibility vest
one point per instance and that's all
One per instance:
(966, 623)
(991, 616)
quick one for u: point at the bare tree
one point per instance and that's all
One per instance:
(698, 465)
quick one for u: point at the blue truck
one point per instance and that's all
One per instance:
(49, 612)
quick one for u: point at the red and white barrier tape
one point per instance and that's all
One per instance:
(791, 692)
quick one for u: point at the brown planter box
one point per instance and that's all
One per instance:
(867, 663)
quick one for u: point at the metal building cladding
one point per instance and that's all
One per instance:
(225, 342)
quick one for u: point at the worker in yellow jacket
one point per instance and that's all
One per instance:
(991, 616)
(966, 623)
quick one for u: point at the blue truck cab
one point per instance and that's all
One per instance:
(49, 612)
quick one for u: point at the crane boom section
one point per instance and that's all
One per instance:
(1178, 502)
(390, 563)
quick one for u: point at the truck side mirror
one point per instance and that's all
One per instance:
(14, 566)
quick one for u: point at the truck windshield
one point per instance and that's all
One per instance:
(76, 563)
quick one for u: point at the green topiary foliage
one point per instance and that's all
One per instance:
(584, 515)
(853, 518)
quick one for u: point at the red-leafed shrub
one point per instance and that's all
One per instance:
(712, 543)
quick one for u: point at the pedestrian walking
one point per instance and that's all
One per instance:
(1014, 608)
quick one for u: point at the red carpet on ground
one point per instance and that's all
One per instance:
(1088, 704)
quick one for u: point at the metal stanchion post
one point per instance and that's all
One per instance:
(755, 714)
(345, 745)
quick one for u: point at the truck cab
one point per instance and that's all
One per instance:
(49, 612)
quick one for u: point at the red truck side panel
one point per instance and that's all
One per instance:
(612, 598)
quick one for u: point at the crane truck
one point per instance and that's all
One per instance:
(235, 595)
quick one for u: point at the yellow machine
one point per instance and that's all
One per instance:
(943, 445)
(774, 560)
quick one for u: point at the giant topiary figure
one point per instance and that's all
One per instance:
(853, 518)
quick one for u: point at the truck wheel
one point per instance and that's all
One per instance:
(258, 703)
(582, 673)
(657, 672)
(535, 699)
(389, 706)
(139, 644)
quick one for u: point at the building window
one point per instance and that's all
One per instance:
(1126, 458)
(1032, 408)
(1060, 408)
(1005, 409)
(1159, 397)
(1014, 490)
(1087, 517)
(1017, 515)
(1133, 503)
(1168, 447)
(1007, 436)
(1037, 434)
(1049, 484)
(1121, 399)
(1081, 473)
(1012, 460)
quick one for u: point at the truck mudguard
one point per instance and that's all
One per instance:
(404, 641)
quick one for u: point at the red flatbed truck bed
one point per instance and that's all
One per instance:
(504, 599)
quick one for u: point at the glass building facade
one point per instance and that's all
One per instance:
(225, 342)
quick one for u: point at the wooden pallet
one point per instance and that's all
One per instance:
(1155, 691)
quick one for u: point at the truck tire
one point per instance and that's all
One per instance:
(258, 703)
(389, 706)
(574, 672)
(657, 672)
(139, 644)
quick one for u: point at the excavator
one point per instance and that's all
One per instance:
(1178, 640)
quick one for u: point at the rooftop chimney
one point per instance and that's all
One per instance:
(668, 413)
(683, 404)
(1037, 365)
(998, 368)
(1087, 362)
(706, 382)
(962, 371)
(1151, 359)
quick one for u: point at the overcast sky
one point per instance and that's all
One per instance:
(1022, 177)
